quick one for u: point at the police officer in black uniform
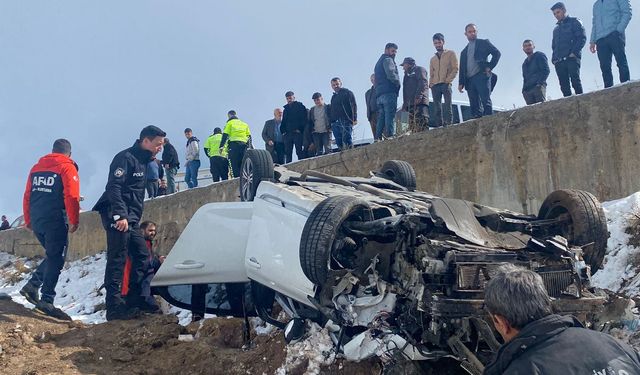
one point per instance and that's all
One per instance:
(120, 208)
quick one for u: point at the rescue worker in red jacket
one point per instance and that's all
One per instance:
(151, 266)
(51, 208)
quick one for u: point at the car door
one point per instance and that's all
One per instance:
(211, 249)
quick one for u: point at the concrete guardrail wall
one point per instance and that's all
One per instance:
(510, 160)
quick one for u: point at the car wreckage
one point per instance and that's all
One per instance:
(390, 271)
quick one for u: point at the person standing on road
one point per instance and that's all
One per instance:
(171, 164)
(51, 208)
(372, 106)
(387, 86)
(569, 37)
(193, 159)
(476, 71)
(272, 137)
(443, 68)
(121, 207)
(294, 122)
(343, 114)
(320, 126)
(5, 223)
(154, 175)
(536, 341)
(610, 20)
(218, 162)
(535, 71)
(238, 134)
(415, 95)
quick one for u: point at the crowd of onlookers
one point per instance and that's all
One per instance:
(313, 131)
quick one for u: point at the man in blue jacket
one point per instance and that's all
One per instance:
(610, 19)
(476, 71)
(569, 38)
(387, 87)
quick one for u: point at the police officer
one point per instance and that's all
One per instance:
(239, 136)
(51, 208)
(218, 163)
(120, 208)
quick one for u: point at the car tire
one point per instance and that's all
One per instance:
(257, 165)
(321, 231)
(400, 172)
(588, 224)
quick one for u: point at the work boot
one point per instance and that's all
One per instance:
(52, 311)
(123, 313)
(30, 293)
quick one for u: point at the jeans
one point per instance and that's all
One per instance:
(569, 71)
(152, 188)
(609, 46)
(537, 94)
(342, 133)
(292, 139)
(479, 92)
(443, 115)
(322, 143)
(54, 238)
(236, 154)
(219, 168)
(191, 173)
(387, 106)
(119, 244)
(171, 179)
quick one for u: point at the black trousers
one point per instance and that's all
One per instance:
(479, 92)
(236, 153)
(537, 94)
(568, 72)
(54, 238)
(443, 113)
(291, 140)
(219, 167)
(152, 188)
(278, 153)
(418, 118)
(119, 244)
(608, 47)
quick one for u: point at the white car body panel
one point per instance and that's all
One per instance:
(273, 249)
(211, 249)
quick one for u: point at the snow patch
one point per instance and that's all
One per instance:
(317, 348)
(622, 261)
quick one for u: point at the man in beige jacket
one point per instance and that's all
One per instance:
(443, 68)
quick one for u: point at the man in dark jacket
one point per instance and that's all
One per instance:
(415, 95)
(120, 208)
(387, 85)
(343, 114)
(372, 106)
(171, 164)
(476, 71)
(272, 137)
(569, 37)
(535, 71)
(5, 223)
(294, 121)
(51, 208)
(538, 342)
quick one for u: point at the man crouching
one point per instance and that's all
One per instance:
(540, 342)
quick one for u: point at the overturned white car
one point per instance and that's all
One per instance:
(389, 270)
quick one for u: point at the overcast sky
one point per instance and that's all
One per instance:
(96, 72)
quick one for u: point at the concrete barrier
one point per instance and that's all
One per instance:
(511, 160)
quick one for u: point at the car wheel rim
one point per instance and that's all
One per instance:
(247, 178)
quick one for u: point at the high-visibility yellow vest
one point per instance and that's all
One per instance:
(238, 131)
(213, 144)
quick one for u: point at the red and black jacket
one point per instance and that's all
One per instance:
(52, 194)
